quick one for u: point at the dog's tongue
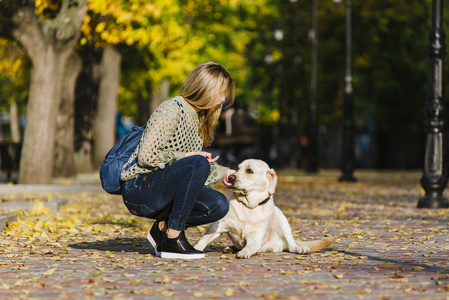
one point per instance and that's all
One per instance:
(225, 180)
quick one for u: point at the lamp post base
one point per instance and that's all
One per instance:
(347, 178)
(433, 202)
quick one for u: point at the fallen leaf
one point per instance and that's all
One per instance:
(229, 292)
(49, 272)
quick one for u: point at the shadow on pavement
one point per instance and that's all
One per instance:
(401, 263)
(139, 245)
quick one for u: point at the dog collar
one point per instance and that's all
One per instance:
(265, 201)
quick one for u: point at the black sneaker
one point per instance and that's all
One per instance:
(154, 237)
(178, 248)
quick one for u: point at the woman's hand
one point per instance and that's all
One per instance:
(205, 154)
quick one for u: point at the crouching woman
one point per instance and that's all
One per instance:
(167, 176)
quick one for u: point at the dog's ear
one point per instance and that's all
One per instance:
(273, 180)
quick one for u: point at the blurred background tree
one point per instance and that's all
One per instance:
(134, 54)
(48, 32)
(14, 88)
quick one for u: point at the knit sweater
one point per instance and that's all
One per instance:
(172, 131)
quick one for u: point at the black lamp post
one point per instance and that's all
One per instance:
(348, 161)
(312, 153)
(276, 151)
(294, 138)
(434, 179)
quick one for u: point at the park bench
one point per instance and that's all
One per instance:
(9, 157)
(236, 136)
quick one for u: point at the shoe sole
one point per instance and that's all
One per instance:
(181, 256)
(153, 243)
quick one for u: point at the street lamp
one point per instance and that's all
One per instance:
(312, 153)
(348, 161)
(434, 179)
(278, 34)
(276, 148)
(296, 60)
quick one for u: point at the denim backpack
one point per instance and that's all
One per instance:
(116, 158)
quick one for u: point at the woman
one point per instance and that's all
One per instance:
(166, 177)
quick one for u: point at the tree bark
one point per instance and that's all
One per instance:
(49, 44)
(15, 131)
(64, 164)
(38, 149)
(104, 123)
(159, 95)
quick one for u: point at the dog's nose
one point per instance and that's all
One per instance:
(231, 178)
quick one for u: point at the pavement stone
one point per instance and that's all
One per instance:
(7, 218)
(385, 248)
(14, 196)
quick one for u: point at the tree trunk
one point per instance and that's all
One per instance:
(15, 131)
(159, 95)
(64, 165)
(36, 163)
(104, 124)
(49, 44)
(85, 103)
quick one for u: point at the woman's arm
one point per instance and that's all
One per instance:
(205, 154)
(160, 128)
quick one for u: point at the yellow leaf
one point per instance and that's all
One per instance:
(49, 272)
(338, 276)
(39, 208)
(166, 279)
(43, 235)
(18, 282)
(137, 281)
(4, 286)
(100, 27)
(229, 292)
(73, 230)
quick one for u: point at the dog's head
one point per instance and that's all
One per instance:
(253, 182)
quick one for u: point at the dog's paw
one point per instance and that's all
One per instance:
(300, 250)
(304, 250)
(244, 254)
(198, 247)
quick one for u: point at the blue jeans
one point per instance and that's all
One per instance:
(176, 194)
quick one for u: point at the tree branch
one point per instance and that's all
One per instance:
(69, 20)
(27, 30)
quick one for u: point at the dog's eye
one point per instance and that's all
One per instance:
(249, 171)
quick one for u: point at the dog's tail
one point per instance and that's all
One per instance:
(316, 245)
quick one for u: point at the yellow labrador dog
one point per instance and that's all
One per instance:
(253, 223)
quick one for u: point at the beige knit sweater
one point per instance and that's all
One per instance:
(172, 131)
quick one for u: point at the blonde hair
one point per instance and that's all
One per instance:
(207, 83)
